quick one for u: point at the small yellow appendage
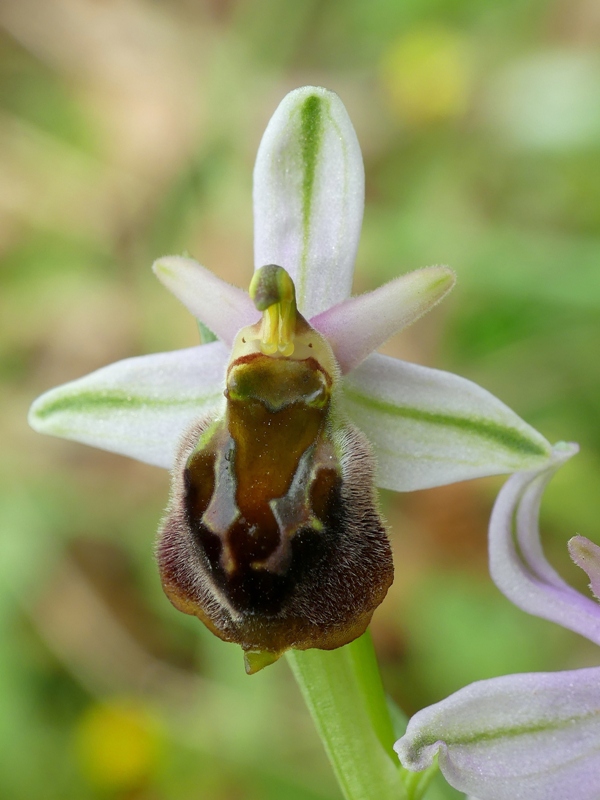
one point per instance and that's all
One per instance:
(273, 293)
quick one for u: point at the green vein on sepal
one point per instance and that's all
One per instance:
(112, 400)
(425, 740)
(311, 135)
(509, 438)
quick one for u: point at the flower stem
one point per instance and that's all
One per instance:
(343, 691)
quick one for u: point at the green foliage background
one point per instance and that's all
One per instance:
(128, 131)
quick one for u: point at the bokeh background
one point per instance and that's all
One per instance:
(128, 130)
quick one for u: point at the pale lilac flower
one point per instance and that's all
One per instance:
(530, 736)
(427, 427)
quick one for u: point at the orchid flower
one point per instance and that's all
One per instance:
(277, 432)
(530, 736)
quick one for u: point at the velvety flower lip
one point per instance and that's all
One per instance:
(427, 427)
(531, 736)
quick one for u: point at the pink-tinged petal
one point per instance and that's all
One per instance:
(309, 197)
(517, 563)
(138, 407)
(518, 737)
(429, 427)
(223, 308)
(358, 326)
(586, 555)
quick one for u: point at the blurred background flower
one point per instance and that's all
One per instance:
(129, 130)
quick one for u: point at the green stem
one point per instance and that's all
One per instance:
(343, 691)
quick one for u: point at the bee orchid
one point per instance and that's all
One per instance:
(278, 432)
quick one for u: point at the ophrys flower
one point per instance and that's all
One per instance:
(177, 410)
(533, 736)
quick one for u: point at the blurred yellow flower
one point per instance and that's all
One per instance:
(116, 744)
(427, 75)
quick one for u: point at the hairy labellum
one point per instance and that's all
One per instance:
(272, 537)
